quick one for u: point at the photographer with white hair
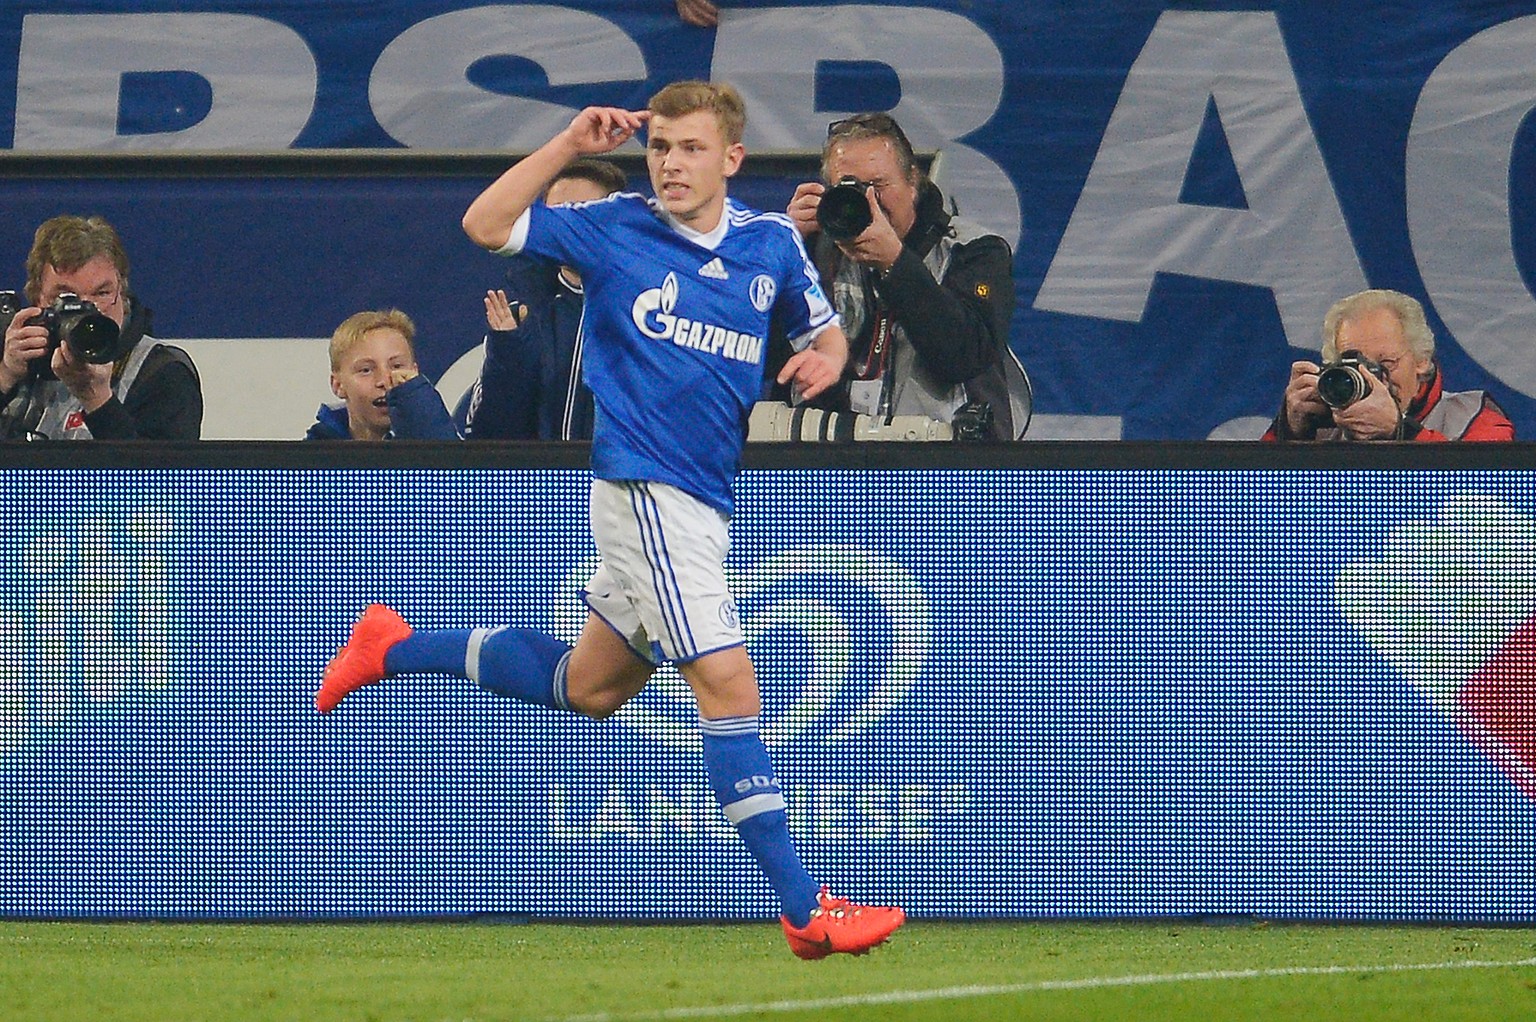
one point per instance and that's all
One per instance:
(1380, 381)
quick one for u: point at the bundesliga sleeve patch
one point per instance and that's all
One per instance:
(1451, 607)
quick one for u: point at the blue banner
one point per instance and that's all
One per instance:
(1188, 189)
(1008, 693)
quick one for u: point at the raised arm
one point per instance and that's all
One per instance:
(593, 132)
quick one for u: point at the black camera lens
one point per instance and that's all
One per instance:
(1341, 386)
(90, 335)
(844, 211)
(1347, 379)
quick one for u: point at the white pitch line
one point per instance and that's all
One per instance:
(1090, 983)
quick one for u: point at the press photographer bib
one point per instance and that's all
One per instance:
(63, 416)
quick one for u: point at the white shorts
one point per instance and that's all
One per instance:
(661, 583)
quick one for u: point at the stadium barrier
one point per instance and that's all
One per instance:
(1049, 680)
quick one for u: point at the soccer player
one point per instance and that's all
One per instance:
(680, 291)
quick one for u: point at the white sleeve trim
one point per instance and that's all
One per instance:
(753, 805)
(518, 238)
(804, 340)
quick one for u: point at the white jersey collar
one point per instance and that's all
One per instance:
(712, 239)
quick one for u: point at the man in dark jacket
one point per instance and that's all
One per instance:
(926, 296)
(530, 385)
(144, 390)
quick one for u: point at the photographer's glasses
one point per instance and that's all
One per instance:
(883, 124)
(103, 297)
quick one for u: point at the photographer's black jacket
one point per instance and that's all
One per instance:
(951, 296)
(156, 395)
(957, 322)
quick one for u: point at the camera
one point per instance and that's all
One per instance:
(10, 304)
(972, 422)
(844, 210)
(777, 422)
(1347, 379)
(92, 336)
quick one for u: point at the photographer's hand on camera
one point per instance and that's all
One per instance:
(25, 340)
(803, 205)
(879, 246)
(1376, 416)
(91, 384)
(1305, 412)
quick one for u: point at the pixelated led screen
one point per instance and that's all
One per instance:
(989, 693)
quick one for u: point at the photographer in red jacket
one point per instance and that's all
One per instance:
(1380, 381)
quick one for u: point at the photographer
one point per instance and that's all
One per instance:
(925, 296)
(122, 384)
(1381, 382)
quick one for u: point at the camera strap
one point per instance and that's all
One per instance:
(867, 392)
(872, 366)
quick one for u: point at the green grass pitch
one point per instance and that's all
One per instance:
(466, 972)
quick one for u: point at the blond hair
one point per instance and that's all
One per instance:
(359, 324)
(683, 98)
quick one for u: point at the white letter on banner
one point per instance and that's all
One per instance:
(70, 68)
(950, 71)
(1129, 223)
(421, 93)
(1459, 146)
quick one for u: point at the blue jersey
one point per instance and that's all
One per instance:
(675, 331)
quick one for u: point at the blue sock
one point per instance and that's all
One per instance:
(741, 775)
(518, 663)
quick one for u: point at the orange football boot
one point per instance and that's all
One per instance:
(361, 661)
(838, 926)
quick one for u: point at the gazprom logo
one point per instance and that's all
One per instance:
(652, 311)
(654, 316)
(846, 627)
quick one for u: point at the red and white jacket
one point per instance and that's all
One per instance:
(1433, 417)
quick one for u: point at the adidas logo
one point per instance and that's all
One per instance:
(714, 269)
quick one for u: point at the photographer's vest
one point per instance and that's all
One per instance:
(905, 388)
(59, 414)
(901, 385)
(1453, 413)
